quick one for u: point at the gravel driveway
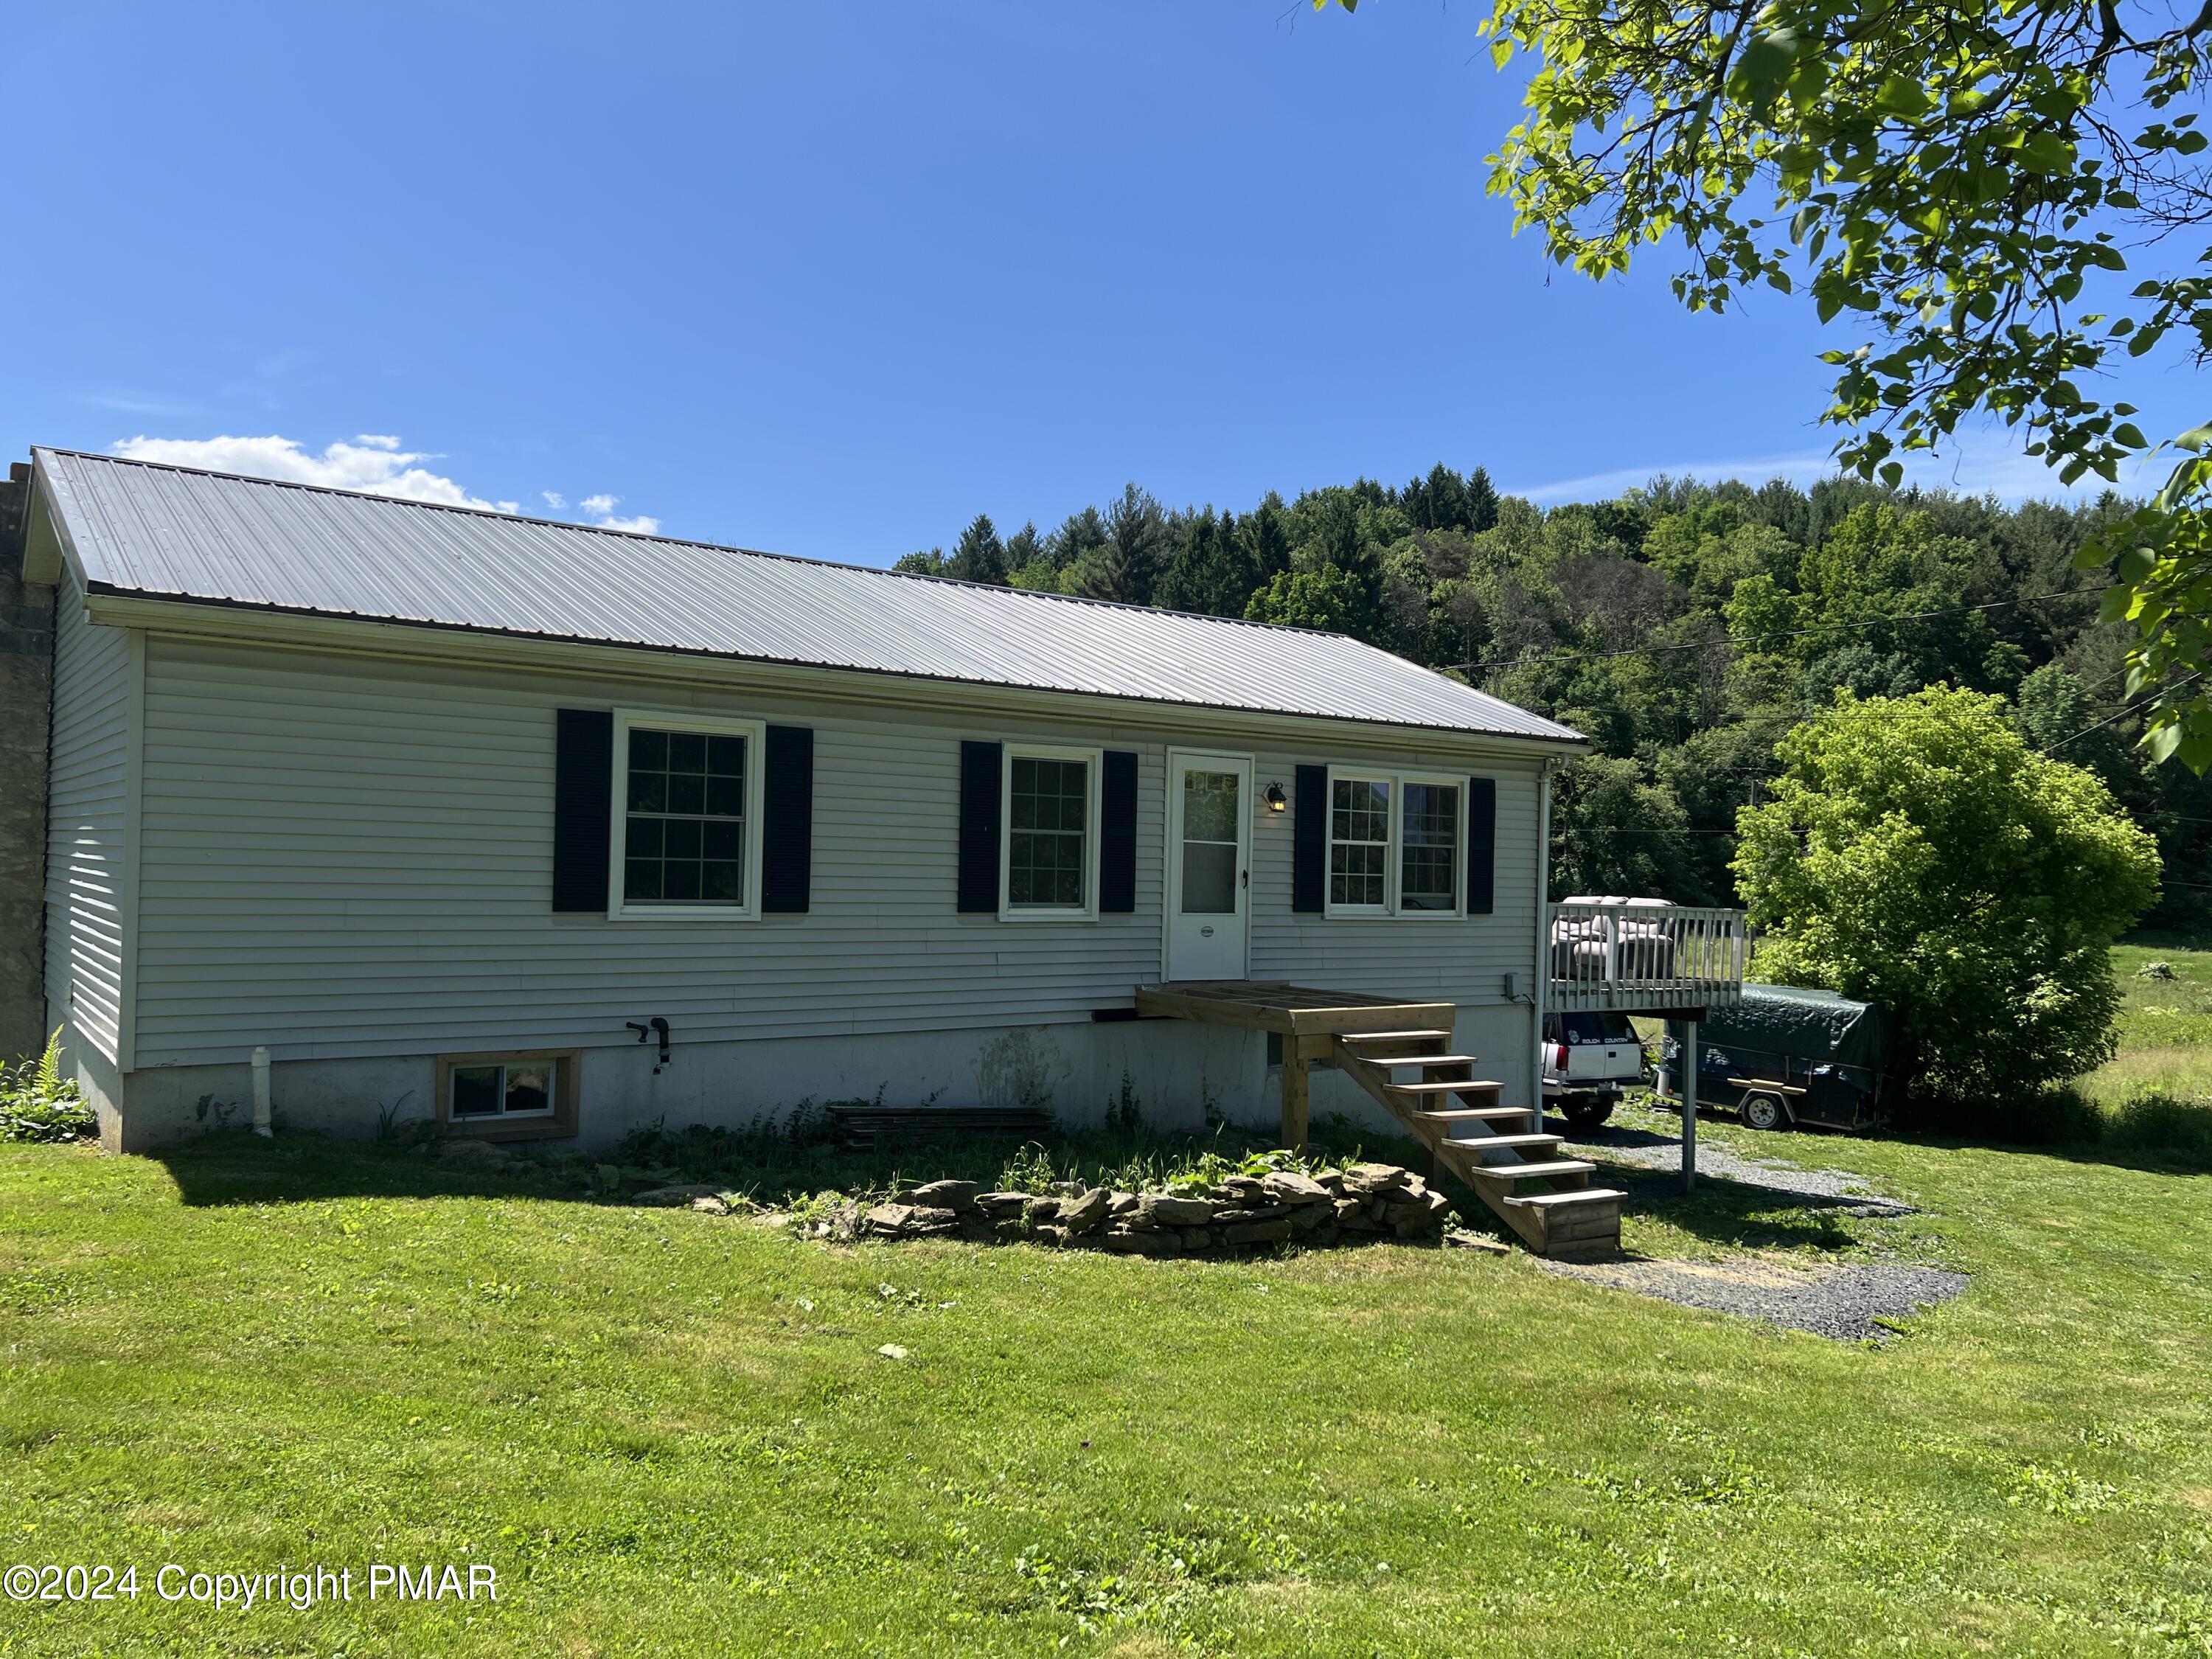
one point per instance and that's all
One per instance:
(1842, 1300)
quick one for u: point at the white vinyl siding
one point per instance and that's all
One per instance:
(1461, 959)
(346, 857)
(88, 891)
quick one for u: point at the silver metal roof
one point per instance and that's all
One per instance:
(168, 532)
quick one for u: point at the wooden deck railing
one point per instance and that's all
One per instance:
(1644, 957)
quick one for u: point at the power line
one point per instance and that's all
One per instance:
(2163, 691)
(1784, 633)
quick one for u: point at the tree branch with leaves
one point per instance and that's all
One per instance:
(1973, 182)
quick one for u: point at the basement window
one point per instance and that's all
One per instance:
(507, 1095)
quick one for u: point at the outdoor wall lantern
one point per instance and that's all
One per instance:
(1275, 798)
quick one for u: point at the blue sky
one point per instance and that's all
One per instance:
(830, 279)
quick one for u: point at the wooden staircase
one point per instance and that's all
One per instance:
(1546, 1200)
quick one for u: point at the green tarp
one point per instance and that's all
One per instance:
(1819, 1027)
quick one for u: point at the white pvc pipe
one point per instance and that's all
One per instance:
(261, 1113)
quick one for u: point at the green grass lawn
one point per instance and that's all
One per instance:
(2166, 1026)
(671, 1433)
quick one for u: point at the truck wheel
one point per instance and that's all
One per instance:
(1585, 1113)
(1765, 1112)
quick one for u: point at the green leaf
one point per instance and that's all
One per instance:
(2045, 153)
(2128, 435)
(1905, 98)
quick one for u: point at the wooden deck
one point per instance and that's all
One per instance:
(1308, 1022)
(1291, 1010)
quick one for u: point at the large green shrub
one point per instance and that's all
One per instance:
(1916, 852)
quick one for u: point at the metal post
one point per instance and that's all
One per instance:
(1538, 985)
(1688, 1053)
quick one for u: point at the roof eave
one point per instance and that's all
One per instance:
(403, 638)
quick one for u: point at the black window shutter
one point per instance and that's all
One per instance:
(1117, 832)
(788, 820)
(1310, 841)
(979, 826)
(1481, 846)
(583, 791)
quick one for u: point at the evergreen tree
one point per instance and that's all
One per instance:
(1209, 572)
(1024, 548)
(1264, 540)
(1438, 502)
(979, 555)
(1481, 498)
(1128, 566)
(1079, 534)
(931, 563)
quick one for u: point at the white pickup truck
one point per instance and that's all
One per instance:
(1590, 1060)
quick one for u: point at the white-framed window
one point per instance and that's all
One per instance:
(1049, 854)
(1359, 843)
(687, 817)
(519, 1094)
(1397, 843)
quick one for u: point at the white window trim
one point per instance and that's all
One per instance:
(552, 1107)
(1092, 791)
(1392, 906)
(1330, 843)
(660, 720)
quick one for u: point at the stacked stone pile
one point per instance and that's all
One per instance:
(1240, 1214)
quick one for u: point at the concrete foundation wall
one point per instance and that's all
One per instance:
(26, 667)
(1175, 1068)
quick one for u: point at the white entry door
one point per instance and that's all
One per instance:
(1209, 863)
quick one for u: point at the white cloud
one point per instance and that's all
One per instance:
(1802, 469)
(372, 463)
(602, 509)
(1987, 463)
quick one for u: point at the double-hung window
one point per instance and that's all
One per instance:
(1397, 844)
(1051, 842)
(686, 831)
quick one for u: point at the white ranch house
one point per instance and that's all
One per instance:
(445, 809)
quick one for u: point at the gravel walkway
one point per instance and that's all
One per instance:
(1842, 1300)
(1715, 1158)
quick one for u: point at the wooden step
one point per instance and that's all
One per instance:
(1464, 1086)
(1473, 1115)
(1392, 1062)
(1566, 1166)
(1554, 1202)
(1352, 1037)
(1505, 1143)
(1576, 1227)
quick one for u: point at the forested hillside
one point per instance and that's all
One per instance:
(1683, 626)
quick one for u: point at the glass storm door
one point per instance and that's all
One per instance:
(1209, 865)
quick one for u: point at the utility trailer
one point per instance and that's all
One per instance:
(1786, 1055)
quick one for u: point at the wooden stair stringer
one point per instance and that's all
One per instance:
(1454, 1116)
